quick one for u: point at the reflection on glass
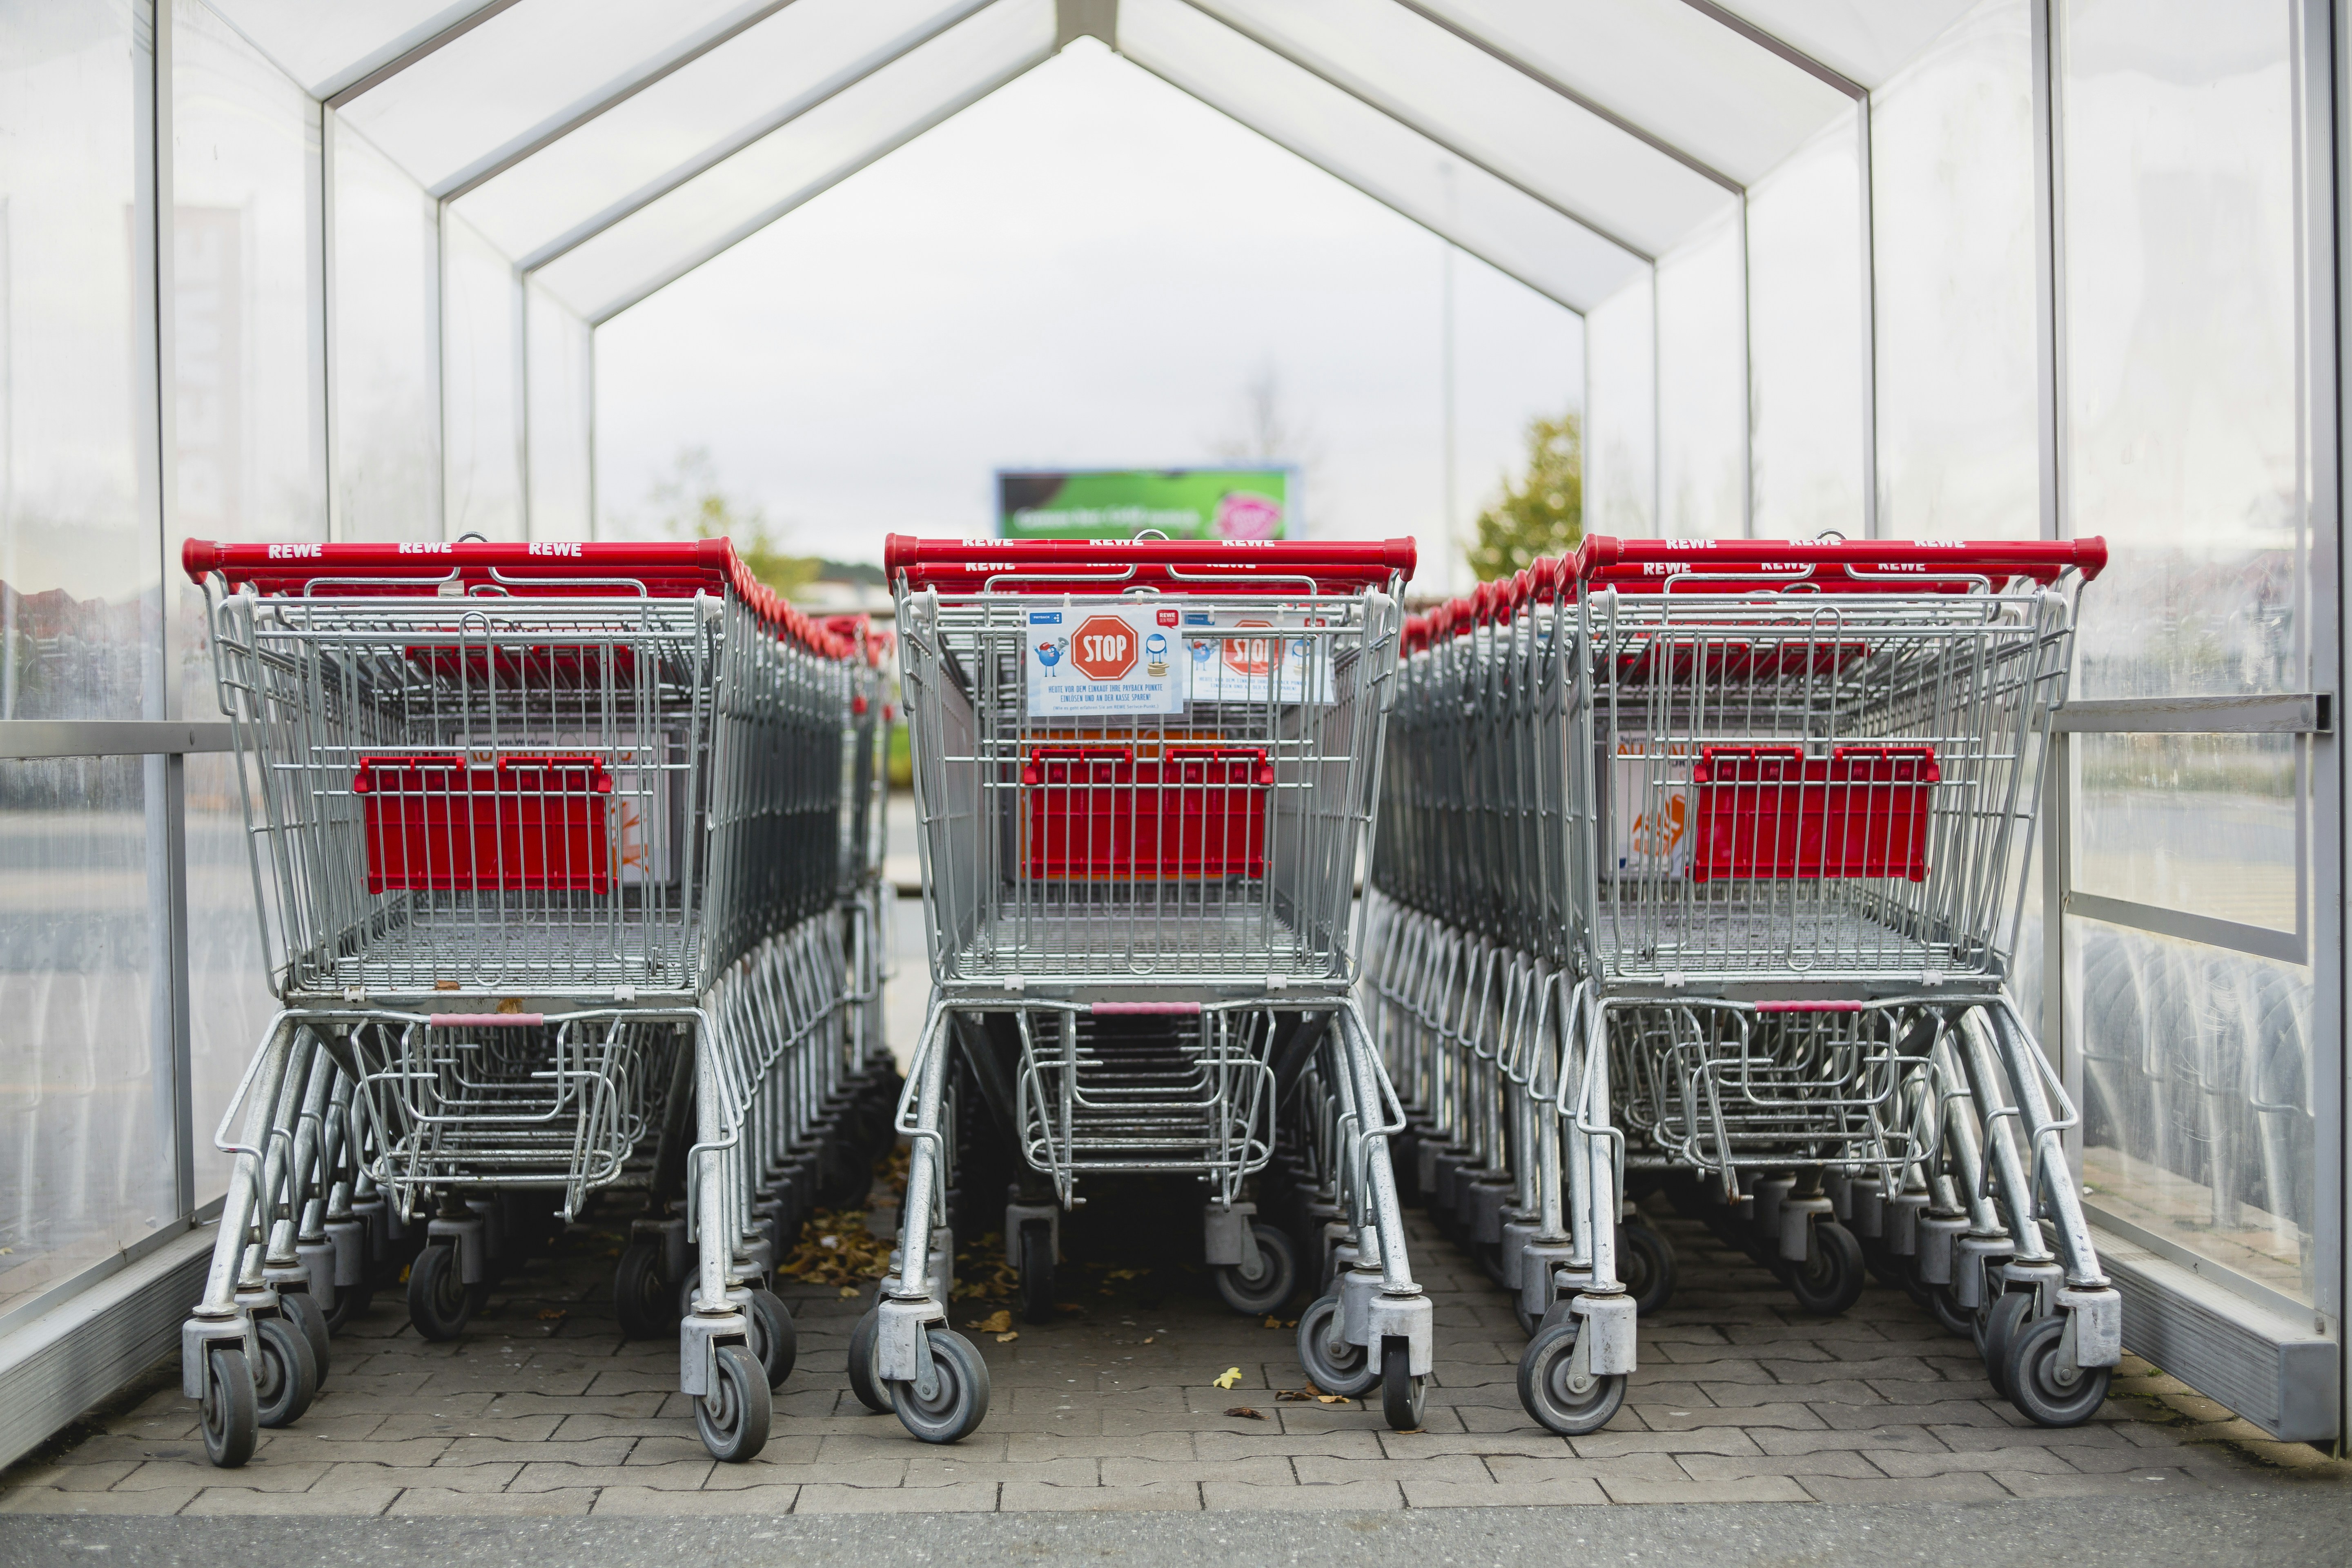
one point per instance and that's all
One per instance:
(2201, 822)
(86, 1137)
(229, 1003)
(1804, 339)
(78, 543)
(2198, 1115)
(1703, 386)
(1952, 227)
(1621, 442)
(387, 360)
(560, 385)
(2181, 373)
(481, 386)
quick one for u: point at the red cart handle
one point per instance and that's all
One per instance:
(1169, 565)
(1851, 565)
(676, 569)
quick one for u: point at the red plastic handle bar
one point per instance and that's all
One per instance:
(484, 1020)
(1809, 1006)
(1264, 771)
(363, 779)
(1873, 566)
(673, 569)
(1144, 1009)
(1172, 565)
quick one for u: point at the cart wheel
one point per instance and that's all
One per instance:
(1552, 1395)
(1037, 1271)
(1276, 1277)
(774, 1341)
(1348, 1370)
(439, 1304)
(287, 1380)
(352, 1302)
(641, 1300)
(1886, 1264)
(1401, 1394)
(732, 1418)
(959, 1400)
(1831, 1276)
(1529, 1322)
(1946, 1309)
(1997, 1328)
(232, 1411)
(2046, 1396)
(310, 1318)
(1646, 1266)
(864, 1381)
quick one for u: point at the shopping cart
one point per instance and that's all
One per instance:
(1144, 769)
(1776, 892)
(549, 850)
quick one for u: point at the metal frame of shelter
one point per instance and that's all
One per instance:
(1613, 155)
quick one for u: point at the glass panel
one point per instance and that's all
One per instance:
(511, 80)
(384, 293)
(86, 1119)
(2181, 350)
(79, 555)
(794, 60)
(481, 386)
(2201, 823)
(1503, 227)
(1621, 440)
(324, 46)
(786, 167)
(229, 1000)
(1952, 220)
(1538, 139)
(1805, 318)
(1703, 386)
(1682, 76)
(2197, 1099)
(1865, 40)
(562, 377)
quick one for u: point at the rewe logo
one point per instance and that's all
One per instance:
(1102, 647)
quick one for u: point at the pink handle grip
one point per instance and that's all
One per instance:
(485, 1020)
(1144, 1009)
(1179, 565)
(1809, 1006)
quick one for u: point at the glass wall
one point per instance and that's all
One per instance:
(1703, 385)
(383, 293)
(1621, 439)
(1953, 240)
(562, 400)
(86, 1128)
(481, 386)
(2183, 380)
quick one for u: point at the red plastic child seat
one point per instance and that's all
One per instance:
(524, 824)
(1097, 813)
(1772, 812)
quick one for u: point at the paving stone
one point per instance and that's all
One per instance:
(1315, 1469)
(1020, 1497)
(1611, 1442)
(1511, 1470)
(2024, 1457)
(293, 1443)
(1754, 1489)
(442, 1500)
(1519, 1494)
(50, 1499)
(1353, 1496)
(1338, 1443)
(1868, 1439)
(677, 1476)
(173, 1474)
(1534, 1443)
(1740, 1467)
(2140, 1482)
(1265, 1469)
(1034, 1446)
(1956, 1488)
(947, 1466)
(754, 1501)
(511, 1451)
(453, 1478)
(760, 1472)
(964, 1497)
(1683, 1418)
(358, 1500)
(72, 1478)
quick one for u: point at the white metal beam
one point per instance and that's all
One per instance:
(374, 72)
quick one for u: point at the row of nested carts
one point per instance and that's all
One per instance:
(1697, 872)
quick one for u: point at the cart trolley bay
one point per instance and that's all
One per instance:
(1145, 772)
(1727, 890)
(563, 858)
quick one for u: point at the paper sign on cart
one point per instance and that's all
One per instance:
(1254, 659)
(1101, 661)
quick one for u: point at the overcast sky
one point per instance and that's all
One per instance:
(1088, 268)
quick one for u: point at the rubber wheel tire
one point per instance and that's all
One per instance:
(864, 1381)
(732, 1419)
(231, 1410)
(643, 1301)
(1529, 1322)
(287, 1379)
(2034, 1387)
(775, 1343)
(1352, 1375)
(1886, 1266)
(352, 1303)
(1276, 1281)
(1997, 1329)
(439, 1304)
(1646, 1266)
(1957, 1319)
(959, 1403)
(1037, 1271)
(1544, 1390)
(1401, 1394)
(1829, 1279)
(309, 1317)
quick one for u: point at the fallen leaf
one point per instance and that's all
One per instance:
(1273, 1322)
(1245, 1411)
(1068, 1307)
(1007, 1337)
(1230, 1376)
(1331, 1398)
(994, 1323)
(847, 1291)
(1146, 1339)
(552, 1314)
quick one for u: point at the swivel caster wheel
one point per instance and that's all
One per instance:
(303, 1309)
(286, 1379)
(440, 1303)
(1997, 1324)
(643, 1301)
(1830, 1277)
(732, 1419)
(1272, 1283)
(1564, 1400)
(1645, 1264)
(1401, 1394)
(957, 1401)
(1347, 1370)
(232, 1408)
(864, 1380)
(2046, 1393)
(774, 1342)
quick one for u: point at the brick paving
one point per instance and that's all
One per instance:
(543, 1410)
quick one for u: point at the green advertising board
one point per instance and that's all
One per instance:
(1119, 503)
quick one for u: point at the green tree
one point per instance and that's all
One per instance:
(691, 504)
(1543, 512)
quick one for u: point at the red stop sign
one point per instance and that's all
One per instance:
(1102, 647)
(1249, 655)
